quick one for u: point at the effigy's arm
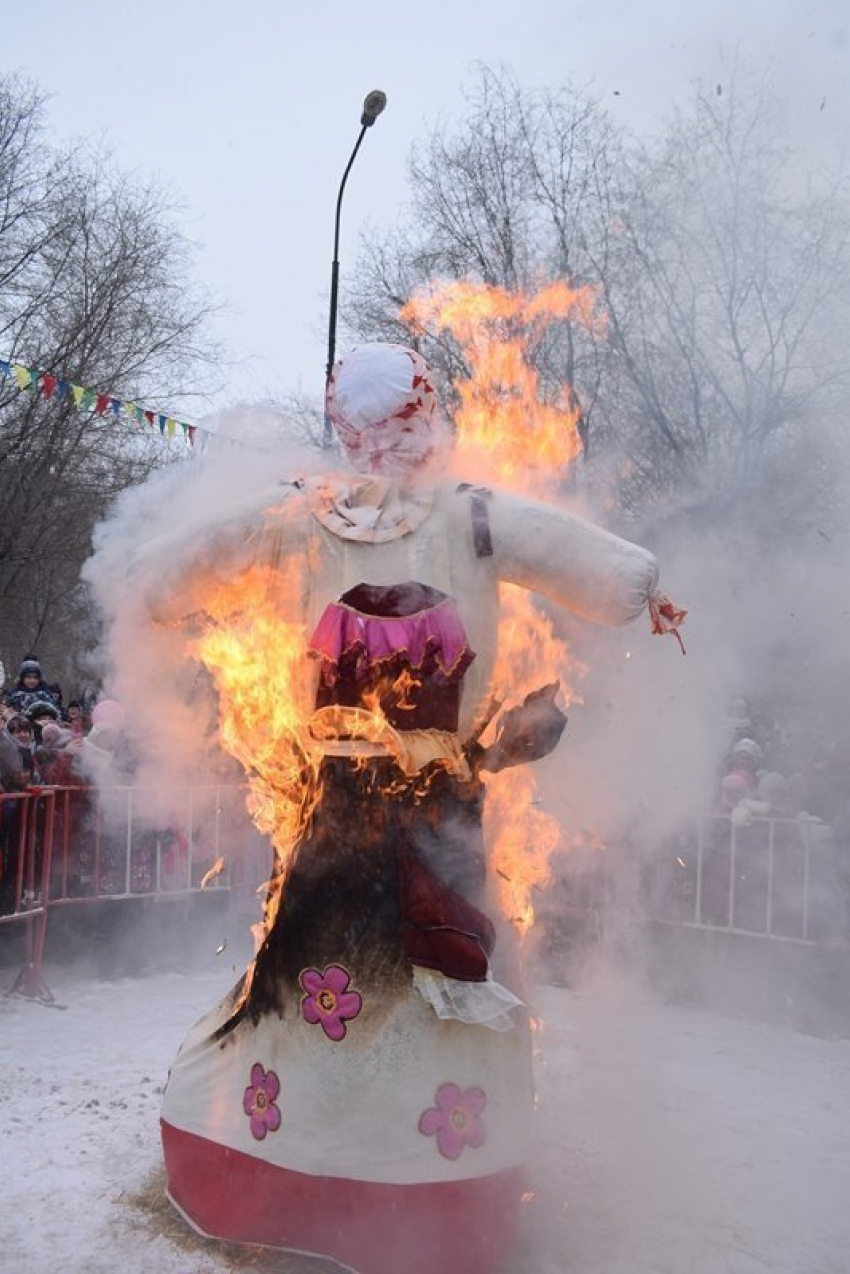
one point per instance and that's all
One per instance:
(176, 572)
(596, 575)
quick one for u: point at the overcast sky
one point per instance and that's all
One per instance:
(249, 111)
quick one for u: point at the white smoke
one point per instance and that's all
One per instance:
(155, 533)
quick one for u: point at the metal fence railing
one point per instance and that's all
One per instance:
(773, 878)
(26, 838)
(61, 846)
(776, 878)
(108, 843)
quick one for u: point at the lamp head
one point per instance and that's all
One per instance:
(372, 107)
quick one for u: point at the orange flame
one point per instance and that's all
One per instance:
(214, 871)
(505, 433)
(258, 663)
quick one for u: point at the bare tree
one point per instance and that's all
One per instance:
(510, 199)
(95, 289)
(722, 282)
(725, 283)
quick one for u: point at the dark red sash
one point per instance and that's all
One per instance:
(441, 929)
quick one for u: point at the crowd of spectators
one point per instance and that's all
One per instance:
(768, 854)
(45, 742)
(775, 848)
(767, 772)
(59, 744)
(41, 737)
(82, 750)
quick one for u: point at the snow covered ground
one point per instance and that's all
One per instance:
(671, 1141)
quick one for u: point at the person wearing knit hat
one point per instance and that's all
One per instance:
(54, 738)
(31, 688)
(39, 713)
(43, 710)
(744, 762)
(748, 748)
(107, 714)
(733, 788)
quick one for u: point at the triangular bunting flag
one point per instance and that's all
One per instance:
(89, 399)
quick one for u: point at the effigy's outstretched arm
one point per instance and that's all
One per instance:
(174, 572)
(596, 575)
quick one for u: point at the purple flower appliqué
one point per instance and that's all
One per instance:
(328, 1000)
(455, 1119)
(258, 1101)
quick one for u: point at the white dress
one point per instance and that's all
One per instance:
(365, 1093)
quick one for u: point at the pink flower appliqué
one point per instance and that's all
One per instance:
(455, 1119)
(328, 1000)
(258, 1101)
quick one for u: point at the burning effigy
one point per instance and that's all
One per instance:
(365, 1091)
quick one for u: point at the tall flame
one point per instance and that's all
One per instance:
(504, 430)
(506, 434)
(257, 661)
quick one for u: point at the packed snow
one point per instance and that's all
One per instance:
(668, 1140)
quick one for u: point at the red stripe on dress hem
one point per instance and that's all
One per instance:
(439, 1227)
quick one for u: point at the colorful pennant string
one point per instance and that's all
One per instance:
(48, 386)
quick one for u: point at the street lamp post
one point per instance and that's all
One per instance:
(372, 107)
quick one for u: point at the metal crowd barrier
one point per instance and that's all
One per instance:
(772, 878)
(108, 844)
(64, 846)
(776, 878)
(26, 838)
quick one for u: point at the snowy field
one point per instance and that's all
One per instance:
(670, 1140)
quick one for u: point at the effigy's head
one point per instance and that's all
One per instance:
(383, 405)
